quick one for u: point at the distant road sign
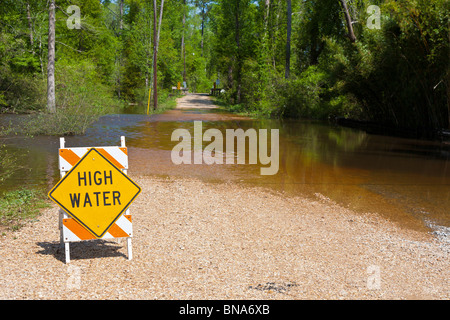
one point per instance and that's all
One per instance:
(95, 192)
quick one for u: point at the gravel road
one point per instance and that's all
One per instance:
(198, 240)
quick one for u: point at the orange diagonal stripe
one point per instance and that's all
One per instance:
(110, 158)
(78, 229)
(69, 156)
(117, 232)
(124, 149)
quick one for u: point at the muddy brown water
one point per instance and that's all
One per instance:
(405, 180)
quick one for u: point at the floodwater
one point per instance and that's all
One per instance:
(405, 180)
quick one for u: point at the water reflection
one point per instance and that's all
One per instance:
(403, 179)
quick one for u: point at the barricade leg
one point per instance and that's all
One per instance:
(129, 249)
(67, 251)
(61, 233)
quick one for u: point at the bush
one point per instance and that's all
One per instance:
(24, 94)
(300, 97)
(397, 74)
(21, 88)
(80, 99)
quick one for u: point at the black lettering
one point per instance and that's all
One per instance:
(75, 199)
(116, 196)
(108, 177)
(96, 197)
(86, 200)
(90, 181)
(106, 198)
(97, 181)
(81, 178)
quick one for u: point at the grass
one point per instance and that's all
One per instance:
(239, 109)
(7, 163)
(168, 103)
(19, 206)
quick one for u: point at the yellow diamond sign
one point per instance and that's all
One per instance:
(95, 192)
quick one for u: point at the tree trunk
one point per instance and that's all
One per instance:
(288, 40)
(266, 16)
(348, 20)
(41, 62)
(51, 100)
(183, 49)
(30, 27)
(265, 40)
(275, 34)
(230, 76)
(121, 14)
(238, 54)
(203, 26)
(118, 61)
(155, 71)
(159, 24)
(184, 63)
(155, 55)
(448, 98)
(448, 80)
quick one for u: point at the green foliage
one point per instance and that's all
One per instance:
(7, 163)
(393, 72)
(301, 97)
(397, 75)
(24, 93)
(81, 98)
(234, 42)
(20, 89)
(19, 205)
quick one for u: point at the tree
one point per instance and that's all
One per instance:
(121, 14)
(348, 20)
(183, 46)
(51, 100)
(204, 6)
(30, 26)
(235, 40)
(288, 40)
(155, 65)
(280, 58)
(155, 50)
